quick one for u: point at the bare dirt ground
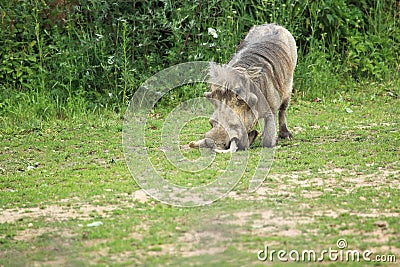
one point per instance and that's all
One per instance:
(213, 234)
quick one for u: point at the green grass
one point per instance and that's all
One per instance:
(62, 165)
(339, 178)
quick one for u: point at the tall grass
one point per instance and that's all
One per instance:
(85, 55)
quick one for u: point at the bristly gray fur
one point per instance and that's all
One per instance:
(268, 53)
(270, 57)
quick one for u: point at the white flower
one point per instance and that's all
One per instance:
(110, 60)
(122, 20)
(213, 33)
(98, 37)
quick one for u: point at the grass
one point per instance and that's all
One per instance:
(339, 178)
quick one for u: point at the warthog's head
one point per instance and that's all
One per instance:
(235, 111)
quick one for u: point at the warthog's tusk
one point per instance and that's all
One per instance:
(233, 148)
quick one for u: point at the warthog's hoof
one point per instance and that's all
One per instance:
(285, 135)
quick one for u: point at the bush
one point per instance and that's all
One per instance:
(104, 50)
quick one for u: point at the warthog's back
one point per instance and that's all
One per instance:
(272, 49)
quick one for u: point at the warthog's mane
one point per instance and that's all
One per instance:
(225, 78)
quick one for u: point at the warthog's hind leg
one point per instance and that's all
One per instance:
(283, 130)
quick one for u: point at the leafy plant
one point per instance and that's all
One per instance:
(104, 50)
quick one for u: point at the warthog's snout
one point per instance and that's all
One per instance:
(218, 135)
(219, 140)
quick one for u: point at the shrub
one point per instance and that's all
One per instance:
(106, 49)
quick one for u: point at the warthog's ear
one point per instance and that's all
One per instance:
(252, 100)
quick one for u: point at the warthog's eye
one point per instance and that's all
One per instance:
(240, 101)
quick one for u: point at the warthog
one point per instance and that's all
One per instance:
(255, 84)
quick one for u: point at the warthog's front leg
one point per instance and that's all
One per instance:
(269, 135)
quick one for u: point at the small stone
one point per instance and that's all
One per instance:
(381, 224)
